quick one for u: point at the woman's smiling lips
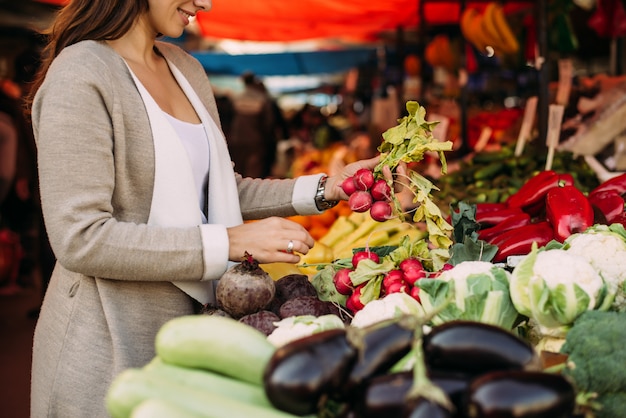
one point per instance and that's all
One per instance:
(186, 15)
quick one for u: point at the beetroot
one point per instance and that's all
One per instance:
(360, 201)
(261, 320)
(245, 288)
(304, 305)
(293, 285)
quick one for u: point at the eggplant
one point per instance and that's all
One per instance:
(520, 394)
(477, 348)
(379, 347)
(302, 374)
(425, 408)
(385, 395)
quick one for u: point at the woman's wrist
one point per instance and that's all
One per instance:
(321, 201)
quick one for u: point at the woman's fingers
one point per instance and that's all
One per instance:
(270, 240)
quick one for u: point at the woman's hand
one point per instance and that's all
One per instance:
(333, 184)
(268, 241)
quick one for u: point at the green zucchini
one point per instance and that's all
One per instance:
(134, 386)
(209, 381)
(216, 343)
(158, 408)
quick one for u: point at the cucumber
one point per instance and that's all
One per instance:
(134, 386)
(216, 343)
(158, 408)
(209, 381)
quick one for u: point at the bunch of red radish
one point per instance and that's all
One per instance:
(368, 193)
(400, 279)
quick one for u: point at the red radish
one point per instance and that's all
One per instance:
(342, 281)
(363, 179)
(348, 186)
(360, 201)
(397, 287)
(381, 190)
(391, 277)
(353, 303)
(445, 267)
(413, 270)
(381, 211)
(415, 293)
(362, 255)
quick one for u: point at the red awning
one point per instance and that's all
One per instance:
(284, 21)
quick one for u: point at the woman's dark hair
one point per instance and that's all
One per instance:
(81, 20)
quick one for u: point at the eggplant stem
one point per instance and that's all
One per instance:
(422, 386)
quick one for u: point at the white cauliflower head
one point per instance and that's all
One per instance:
(553, 287)
(604, 248)
(391, 306)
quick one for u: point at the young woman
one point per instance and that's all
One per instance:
(141, 204)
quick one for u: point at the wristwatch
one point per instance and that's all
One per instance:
(320, 201)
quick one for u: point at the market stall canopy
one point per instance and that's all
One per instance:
(285, 63)
(286, 21)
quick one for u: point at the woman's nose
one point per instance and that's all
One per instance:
(204, 5)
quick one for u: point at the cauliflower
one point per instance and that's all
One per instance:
(553, 287)
(471, 290)
(604, 247)
(295, 327)
(391, 306)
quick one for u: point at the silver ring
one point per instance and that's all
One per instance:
(290, 247)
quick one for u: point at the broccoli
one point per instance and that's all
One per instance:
(596, 350)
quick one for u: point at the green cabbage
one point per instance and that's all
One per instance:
(471, 290)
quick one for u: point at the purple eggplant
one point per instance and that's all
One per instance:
(302, 374)
(386, 395)
(425, 408)
(477, 348)
(520, 394)
(379, 347)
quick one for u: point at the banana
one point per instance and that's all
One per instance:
(490, 30)
(467, 17)
(481, 40)
(504, 30)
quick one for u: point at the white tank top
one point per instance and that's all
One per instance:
(194, 139)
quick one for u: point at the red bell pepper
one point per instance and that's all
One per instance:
(566, 179)
(569, 211)
(484, 207)
(609, 203)
(615, 184)
(533, 192)
(512, 222)
(495, 217)
(519, 241)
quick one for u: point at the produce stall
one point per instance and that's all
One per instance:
(512, 305)
(501, 292)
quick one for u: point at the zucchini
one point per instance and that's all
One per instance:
(216, 343)
(158, 408)
(134, 386)
(209, 381)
